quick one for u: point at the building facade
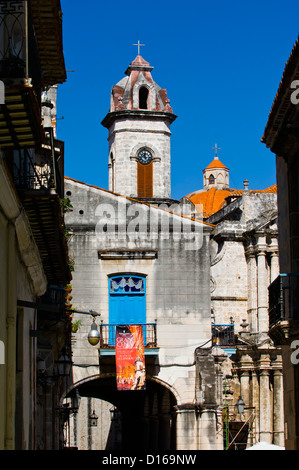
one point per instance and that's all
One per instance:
(34, 257)
(142, 237)
(244, 262)
(205, 263)
(281, 137)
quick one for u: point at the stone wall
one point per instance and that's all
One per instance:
(177, 273)
(126, 138)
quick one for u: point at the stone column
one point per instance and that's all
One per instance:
(186, 429)
(262, 286)
(245, 368)
(252, 289)
(265, 400)
(245, 386)
(207, 426)
(256, 407)
(278, 412)
(274, 264)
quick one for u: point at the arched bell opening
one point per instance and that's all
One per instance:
(143, 98)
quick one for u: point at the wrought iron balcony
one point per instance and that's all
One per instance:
(31, 41)
(284, 299)
(31, 58)
(107, 335)
(223, 335)
(40, 170)
(37, 174)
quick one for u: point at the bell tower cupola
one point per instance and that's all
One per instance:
(139, 122)
(216, 174)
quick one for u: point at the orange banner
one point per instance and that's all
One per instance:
(129, 358)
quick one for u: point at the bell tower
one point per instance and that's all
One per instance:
(216, 174)
(139, 122)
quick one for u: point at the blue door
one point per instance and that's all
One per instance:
(126, 302)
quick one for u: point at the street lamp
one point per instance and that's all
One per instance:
(63, 365)
(93, 335)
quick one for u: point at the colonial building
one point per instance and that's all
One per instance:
(281, 137)
(140, 262)
(203, 265)
(244, 261)
(33, 250)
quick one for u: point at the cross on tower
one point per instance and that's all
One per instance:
(216, 148)
(138, 45)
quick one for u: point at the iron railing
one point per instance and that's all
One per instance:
(284, 298)
(40, 170)
(107, 335)
(14, 38)
(223, 335)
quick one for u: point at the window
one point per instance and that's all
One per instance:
(143, 98)
(126, 285)
(126, 301)
(211, 179)
(145, 180)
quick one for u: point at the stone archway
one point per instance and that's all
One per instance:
(130, 420)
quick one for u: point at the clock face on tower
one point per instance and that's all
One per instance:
(144, 157)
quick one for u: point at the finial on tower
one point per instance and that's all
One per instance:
(216, 148)
(138, 45)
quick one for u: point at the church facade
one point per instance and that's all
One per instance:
(137, 237)
(244, 262)
(193, 273)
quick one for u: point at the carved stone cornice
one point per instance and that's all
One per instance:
(284, 332)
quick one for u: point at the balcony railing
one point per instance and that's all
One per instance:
(14, 40)
(107, 335)
(33, 170)
(223, 335)
(284, 298)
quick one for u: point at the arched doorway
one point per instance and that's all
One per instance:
(131, 420)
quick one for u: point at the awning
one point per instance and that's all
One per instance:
(47, 20)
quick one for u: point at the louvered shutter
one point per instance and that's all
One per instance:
(145, 180)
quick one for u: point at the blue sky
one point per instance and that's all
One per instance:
(220, 61)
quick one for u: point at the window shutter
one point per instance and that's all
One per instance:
(145, 180)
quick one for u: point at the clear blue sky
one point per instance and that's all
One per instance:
(220, 61)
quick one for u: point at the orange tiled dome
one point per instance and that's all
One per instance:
(213, 199)
(216, 163)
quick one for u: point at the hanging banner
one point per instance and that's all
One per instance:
(129, 358)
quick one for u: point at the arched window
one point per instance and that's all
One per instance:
(143, 98)
(211, 179)
(220, 179)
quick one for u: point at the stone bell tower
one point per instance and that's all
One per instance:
(139, 135)
(216, 174)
